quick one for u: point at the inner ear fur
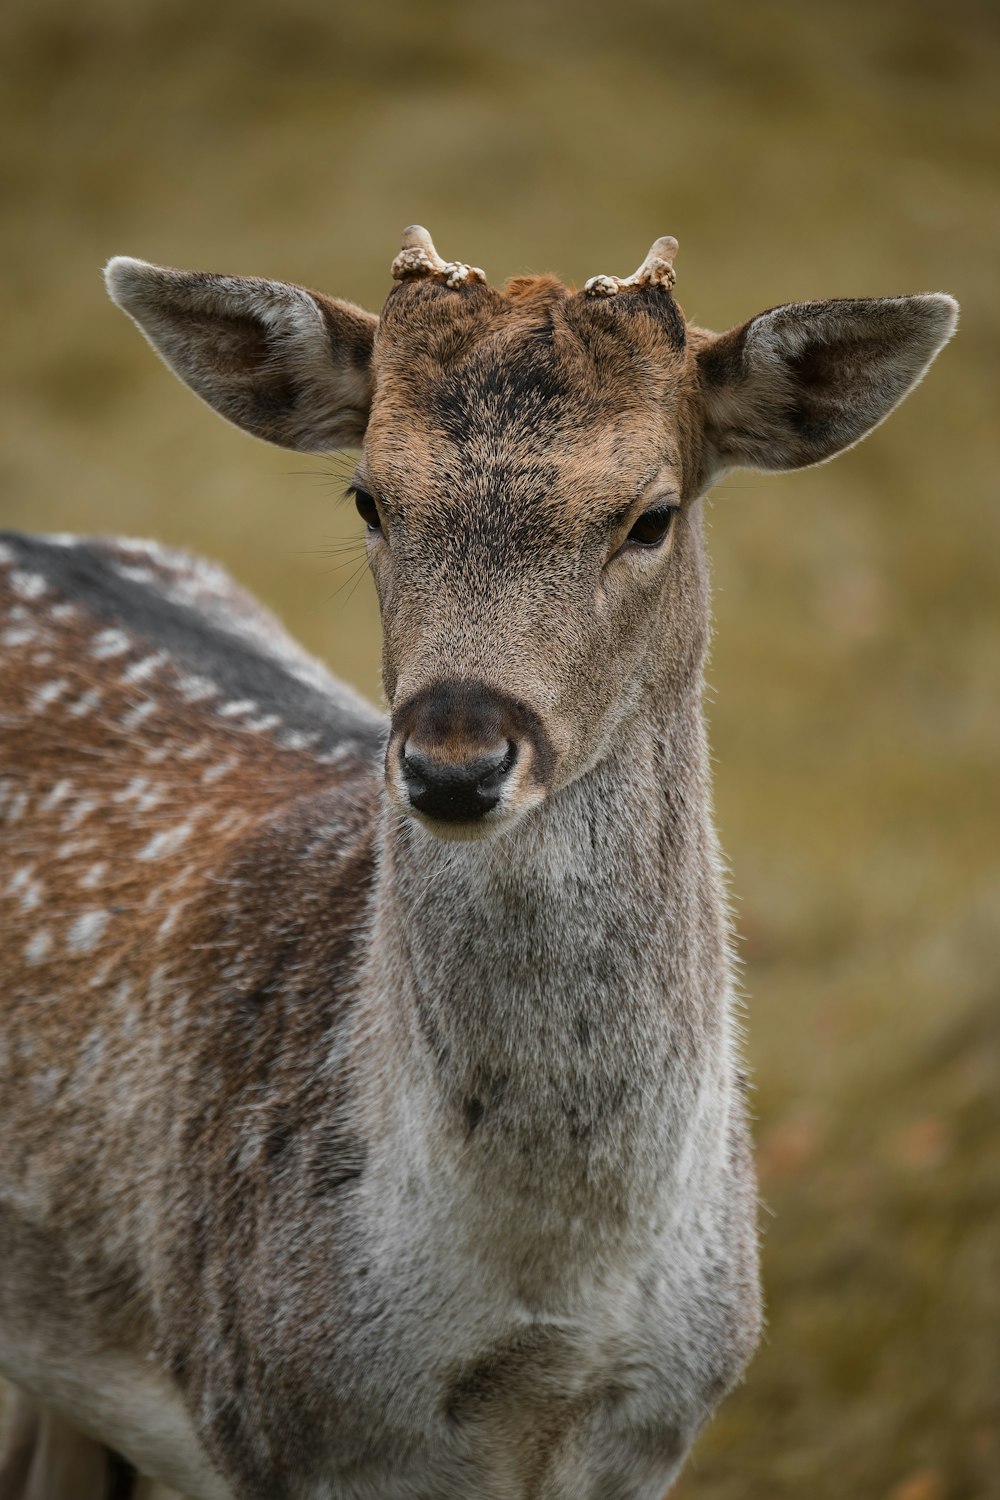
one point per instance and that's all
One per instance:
(800, 383)
(285, 364)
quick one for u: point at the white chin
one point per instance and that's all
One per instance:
(463, 833)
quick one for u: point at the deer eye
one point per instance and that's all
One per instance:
(652, 526)
(367, 510)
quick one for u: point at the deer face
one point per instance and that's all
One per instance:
(523, 482)
(531, 466)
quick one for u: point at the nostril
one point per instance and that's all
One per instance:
(497, 766)
(412, 760)
(417, 772)
(455, 790)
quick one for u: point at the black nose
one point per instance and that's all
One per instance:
(456, 792)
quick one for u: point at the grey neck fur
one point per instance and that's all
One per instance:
(559, 997)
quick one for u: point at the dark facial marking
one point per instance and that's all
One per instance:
(500, 388)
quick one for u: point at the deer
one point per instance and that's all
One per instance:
(375, 1123)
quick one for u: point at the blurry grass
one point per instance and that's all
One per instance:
(796, 152)
(879, 1374)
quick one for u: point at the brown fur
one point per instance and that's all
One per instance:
(401, 1164)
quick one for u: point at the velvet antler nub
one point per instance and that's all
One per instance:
(418, 258)
(656, 270)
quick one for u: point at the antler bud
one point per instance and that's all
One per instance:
(656, 270)
(418, 258)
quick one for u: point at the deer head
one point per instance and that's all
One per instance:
(532, 461)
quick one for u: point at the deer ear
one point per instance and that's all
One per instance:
(287, 365)
(800, 383)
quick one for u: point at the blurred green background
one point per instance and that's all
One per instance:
(796, 152)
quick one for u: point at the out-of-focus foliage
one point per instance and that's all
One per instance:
(796, 152)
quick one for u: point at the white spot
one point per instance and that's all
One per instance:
(94, 876)
(135, 574)
(47, 1084)
(58, 793)
(191, 752)
(62, 538)
(220, 769)
(20, 879)
(169, 922)
(46, 694)
(249, 1152)
(165, 842)
(64, 612)
(31, 896)
(92, 1052)
(28, 585)
(85, 932)
(100, 975)
(17, 807)
(193, 689)
(231, 819)
(86, 704)
(82, 809)
(258, 726)
(296, 740)
(121, 994)
(38, 946)
(134, 789)
(233, 710)
(42, 659)
(6, 555)
(72, 847)
(141, 792)
(141, 671)
(135, 716)
(18, 635)
(157, 754)
(108, 643)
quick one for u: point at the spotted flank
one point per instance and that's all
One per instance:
(155, 721)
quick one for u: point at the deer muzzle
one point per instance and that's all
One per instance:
(461, 752)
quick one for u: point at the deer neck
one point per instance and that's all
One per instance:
(557, 997)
